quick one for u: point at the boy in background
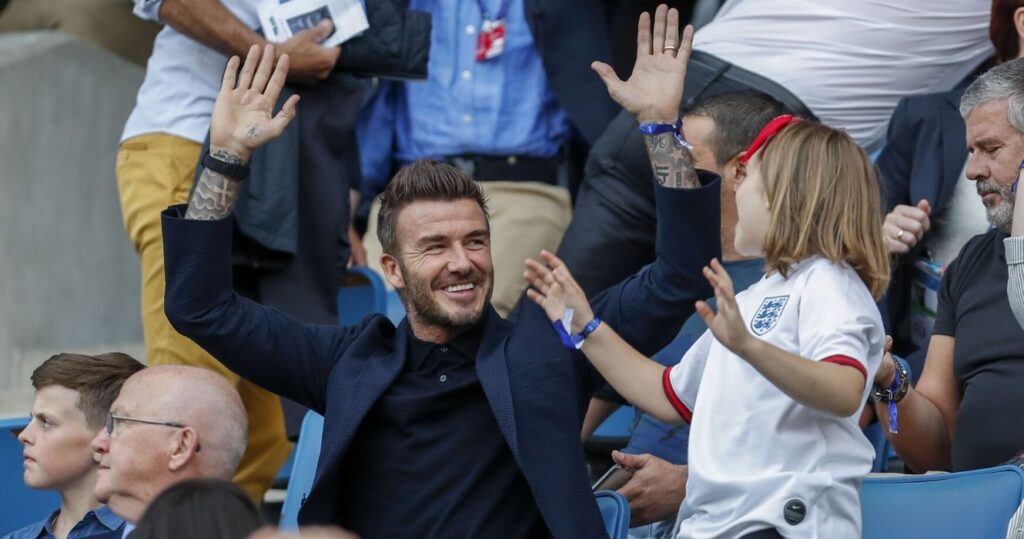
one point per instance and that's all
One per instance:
(72, 400)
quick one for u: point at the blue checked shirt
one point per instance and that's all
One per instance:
(100, 521)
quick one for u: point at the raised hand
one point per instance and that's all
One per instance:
(904, 226)
(727, 324)
(243, 118)
(554, 289)
(655, 88)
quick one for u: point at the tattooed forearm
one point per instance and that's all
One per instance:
(671, 162)
(215, 194)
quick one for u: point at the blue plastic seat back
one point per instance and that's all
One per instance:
(306, 455)
(618, 425)
(962, 505)
(362, 294)
(21, 505)
(615, 513)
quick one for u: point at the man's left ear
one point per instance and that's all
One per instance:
(186, 445)
(739, 170)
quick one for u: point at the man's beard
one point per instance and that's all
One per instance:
(1000, 215)
(419, 294)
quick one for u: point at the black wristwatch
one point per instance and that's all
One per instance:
(231, 170)
(900, 384)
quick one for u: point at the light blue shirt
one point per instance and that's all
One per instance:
(502, 106)
(102, 520)
(499, 106)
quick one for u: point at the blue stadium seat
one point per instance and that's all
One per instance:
(962, 505)
(21, 505)
(395, 309)
(618, 425)
(305, 455)
(361, 294)
(615, 513)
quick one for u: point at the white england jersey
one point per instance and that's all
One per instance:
(758, 458)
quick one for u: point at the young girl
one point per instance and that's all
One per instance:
(774, 388)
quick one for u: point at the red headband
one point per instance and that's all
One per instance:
(770, 129)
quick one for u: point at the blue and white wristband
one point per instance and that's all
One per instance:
(676, 128)
(573, 341)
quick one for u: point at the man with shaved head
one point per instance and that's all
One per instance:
(170, 423)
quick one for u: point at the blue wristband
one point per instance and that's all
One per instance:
(563, 335)
(575, 342)
(676, 128)
(897, 382)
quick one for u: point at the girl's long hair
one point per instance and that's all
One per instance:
(825, 200)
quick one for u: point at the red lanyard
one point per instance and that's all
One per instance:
(491, 41)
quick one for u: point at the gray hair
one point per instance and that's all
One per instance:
(1005, 81)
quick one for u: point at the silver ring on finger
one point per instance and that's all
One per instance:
(899, 236)
(667, 48)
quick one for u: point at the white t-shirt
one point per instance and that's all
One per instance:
(183, 78)
(850, 61)
(753, 449)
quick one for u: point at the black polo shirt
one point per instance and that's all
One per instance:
(988, 361)
(429, 459)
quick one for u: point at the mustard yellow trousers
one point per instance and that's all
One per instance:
(155, 171)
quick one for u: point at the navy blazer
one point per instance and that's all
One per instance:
(922, 159)
(537, 389)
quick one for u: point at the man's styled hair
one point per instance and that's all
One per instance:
(738, 118)
(421, 180)
(1004, 81)
(1002, 31)
(97, 379)
(825, 200)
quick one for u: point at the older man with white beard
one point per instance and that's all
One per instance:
(964, 413)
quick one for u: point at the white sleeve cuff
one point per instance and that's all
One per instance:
(1014, 246)
(148, 9)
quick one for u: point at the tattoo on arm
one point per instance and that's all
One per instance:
(671, 162)
(215, 194)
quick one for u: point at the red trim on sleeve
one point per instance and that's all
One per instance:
(673, 399)
(849, 362)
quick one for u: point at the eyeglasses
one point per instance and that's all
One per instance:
(112, 418)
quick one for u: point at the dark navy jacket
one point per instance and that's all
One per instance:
(537, 389)
(923, 157)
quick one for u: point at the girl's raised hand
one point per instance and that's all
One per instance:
(554, 289)
(727, 324)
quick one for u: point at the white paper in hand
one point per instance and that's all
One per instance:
(283, 19)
